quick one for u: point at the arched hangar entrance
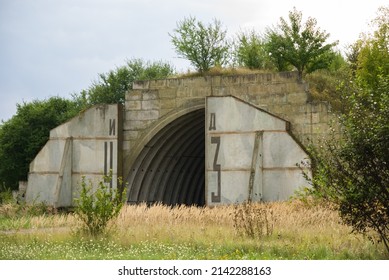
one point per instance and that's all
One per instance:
(171, 166)
(229, 152)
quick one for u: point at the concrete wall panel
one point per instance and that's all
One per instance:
(242, 116)
(52, 152)
(250, 154)
(235, 151)
(281, 184)
(41, 187)
(87, 145)
(89, 156)
(233, 187)
(281, 150)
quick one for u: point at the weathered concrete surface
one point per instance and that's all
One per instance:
(87, 145)
(205, 140)
(150, 102)
(152, 111)
(250, 154)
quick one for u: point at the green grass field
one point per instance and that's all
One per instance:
(282, 230)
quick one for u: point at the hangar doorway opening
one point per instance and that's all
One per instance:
(171, 167)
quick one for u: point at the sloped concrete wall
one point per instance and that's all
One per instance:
(250, 154)
(88, 145)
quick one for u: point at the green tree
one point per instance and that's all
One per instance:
(22, 136)
(353, 171)
(250, 51)
(205, 46)
(301, 45)
(372, 51)
(352, 56)
(111, 87)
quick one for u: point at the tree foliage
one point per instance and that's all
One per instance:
(251, 52)
(371, 52)
(25, 133)
(301, 45)
(353, 172)
(111, 87)
(203, 45)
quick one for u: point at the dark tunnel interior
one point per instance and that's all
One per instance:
(170, 168)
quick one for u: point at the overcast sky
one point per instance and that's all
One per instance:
(58, 47)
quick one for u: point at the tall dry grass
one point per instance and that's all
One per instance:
(292, 220)
(165, 222)
(173, 224)
(298, 231)
(14, 217)
(286, 217)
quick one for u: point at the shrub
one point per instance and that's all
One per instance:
(96, 208)
(353, 172)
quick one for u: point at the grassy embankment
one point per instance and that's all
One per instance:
(291, 230)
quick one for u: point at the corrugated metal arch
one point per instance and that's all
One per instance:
(170, 168)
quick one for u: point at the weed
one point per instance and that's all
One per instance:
(253, 219)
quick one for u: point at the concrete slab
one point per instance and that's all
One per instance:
(87, 145)
(250, 154)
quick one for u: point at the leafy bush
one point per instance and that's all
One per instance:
(22, 136)
(353, 172)
(96, 208)
(111, 87)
